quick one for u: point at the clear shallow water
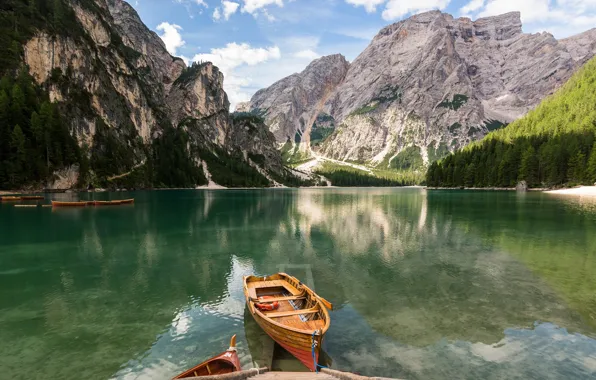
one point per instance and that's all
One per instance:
(430, 285)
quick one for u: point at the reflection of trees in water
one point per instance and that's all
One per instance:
(400, 263)
(102, 284)
(553, 236)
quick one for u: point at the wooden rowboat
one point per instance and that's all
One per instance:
(32, 198)
(300, 320)
(226, 362)
(10, 199)
(112, 203)
(68, 204)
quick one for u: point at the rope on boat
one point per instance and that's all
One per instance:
(314, 357)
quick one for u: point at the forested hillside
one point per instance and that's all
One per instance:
(78, 99)
(553, 145)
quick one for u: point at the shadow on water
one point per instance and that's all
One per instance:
(426, 285)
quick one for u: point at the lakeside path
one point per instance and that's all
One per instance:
(582, 191)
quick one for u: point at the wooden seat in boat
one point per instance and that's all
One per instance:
(293, 312)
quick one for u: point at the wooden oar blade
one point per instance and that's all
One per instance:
(327, 304)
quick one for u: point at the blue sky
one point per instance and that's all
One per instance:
(256, 42)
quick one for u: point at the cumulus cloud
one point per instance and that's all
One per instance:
(369, 5)
(472, 6)
(308, 54)
(560, 17)
(171, 36)
(229, 8)
(250, 6)
(396, 9)
(216, 14)
(234, 56)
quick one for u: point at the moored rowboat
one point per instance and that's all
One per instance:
(32, 198)
(226, 362)
(299, 322)
(112, 203)
(10, 199)
(68, 204)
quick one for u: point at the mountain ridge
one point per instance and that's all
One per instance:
(130, 106)
(430, 84)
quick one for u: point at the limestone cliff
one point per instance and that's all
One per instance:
(291, 105)
(428, 85)
(109, 68)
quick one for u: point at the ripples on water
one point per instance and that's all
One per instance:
(432, 285)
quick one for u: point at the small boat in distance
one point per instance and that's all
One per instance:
(290, 313)
(68, 204)
(112, 203)
(226, 362)
(22, 198)
(10, 199)
(93, 203)
(32, 198)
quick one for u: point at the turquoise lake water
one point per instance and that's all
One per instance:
(426, 285)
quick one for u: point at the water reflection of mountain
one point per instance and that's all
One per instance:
(552, 236)
(156, 287)
(415, 275)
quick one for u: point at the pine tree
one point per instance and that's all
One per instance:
(576, 168)
(528, 170)
(470, 175)
(591, 170)
(17, 105)
(19, 156)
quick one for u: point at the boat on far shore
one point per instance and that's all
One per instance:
(226, 362)
(93, 203)
(69, 204)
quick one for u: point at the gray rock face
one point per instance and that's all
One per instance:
(122, 74)
(434, 83)
(291, 105)
(581, 46)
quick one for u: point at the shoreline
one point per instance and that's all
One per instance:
(582, 191)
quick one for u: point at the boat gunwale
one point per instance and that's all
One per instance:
(311, 293)
(215, 358)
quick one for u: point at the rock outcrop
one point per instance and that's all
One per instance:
(291, 105)
(111, 69)
(425, 86)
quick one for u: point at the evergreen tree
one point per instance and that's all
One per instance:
(470, 175)
(528, 170)
(17, 105)
(17, 144)
(577, 168)
(591, 169)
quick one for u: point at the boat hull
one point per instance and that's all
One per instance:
(295, 335)
(299, 345)
(226, 362)
(68, 204)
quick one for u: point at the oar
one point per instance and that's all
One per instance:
(327, 304)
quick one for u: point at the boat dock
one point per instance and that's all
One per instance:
(264, 374)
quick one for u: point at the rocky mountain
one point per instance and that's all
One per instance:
(119, 90)
(424, 86)
(292, 104)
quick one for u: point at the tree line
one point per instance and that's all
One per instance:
(553, 145)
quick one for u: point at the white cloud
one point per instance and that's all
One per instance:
(171, 36)
(369, 5)
(396, 9)
(202, 3)
(229, 8)
(234, 56)
(472, 6)
(559, 17)
(216, 14)
(308, 54)
(251, 6)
